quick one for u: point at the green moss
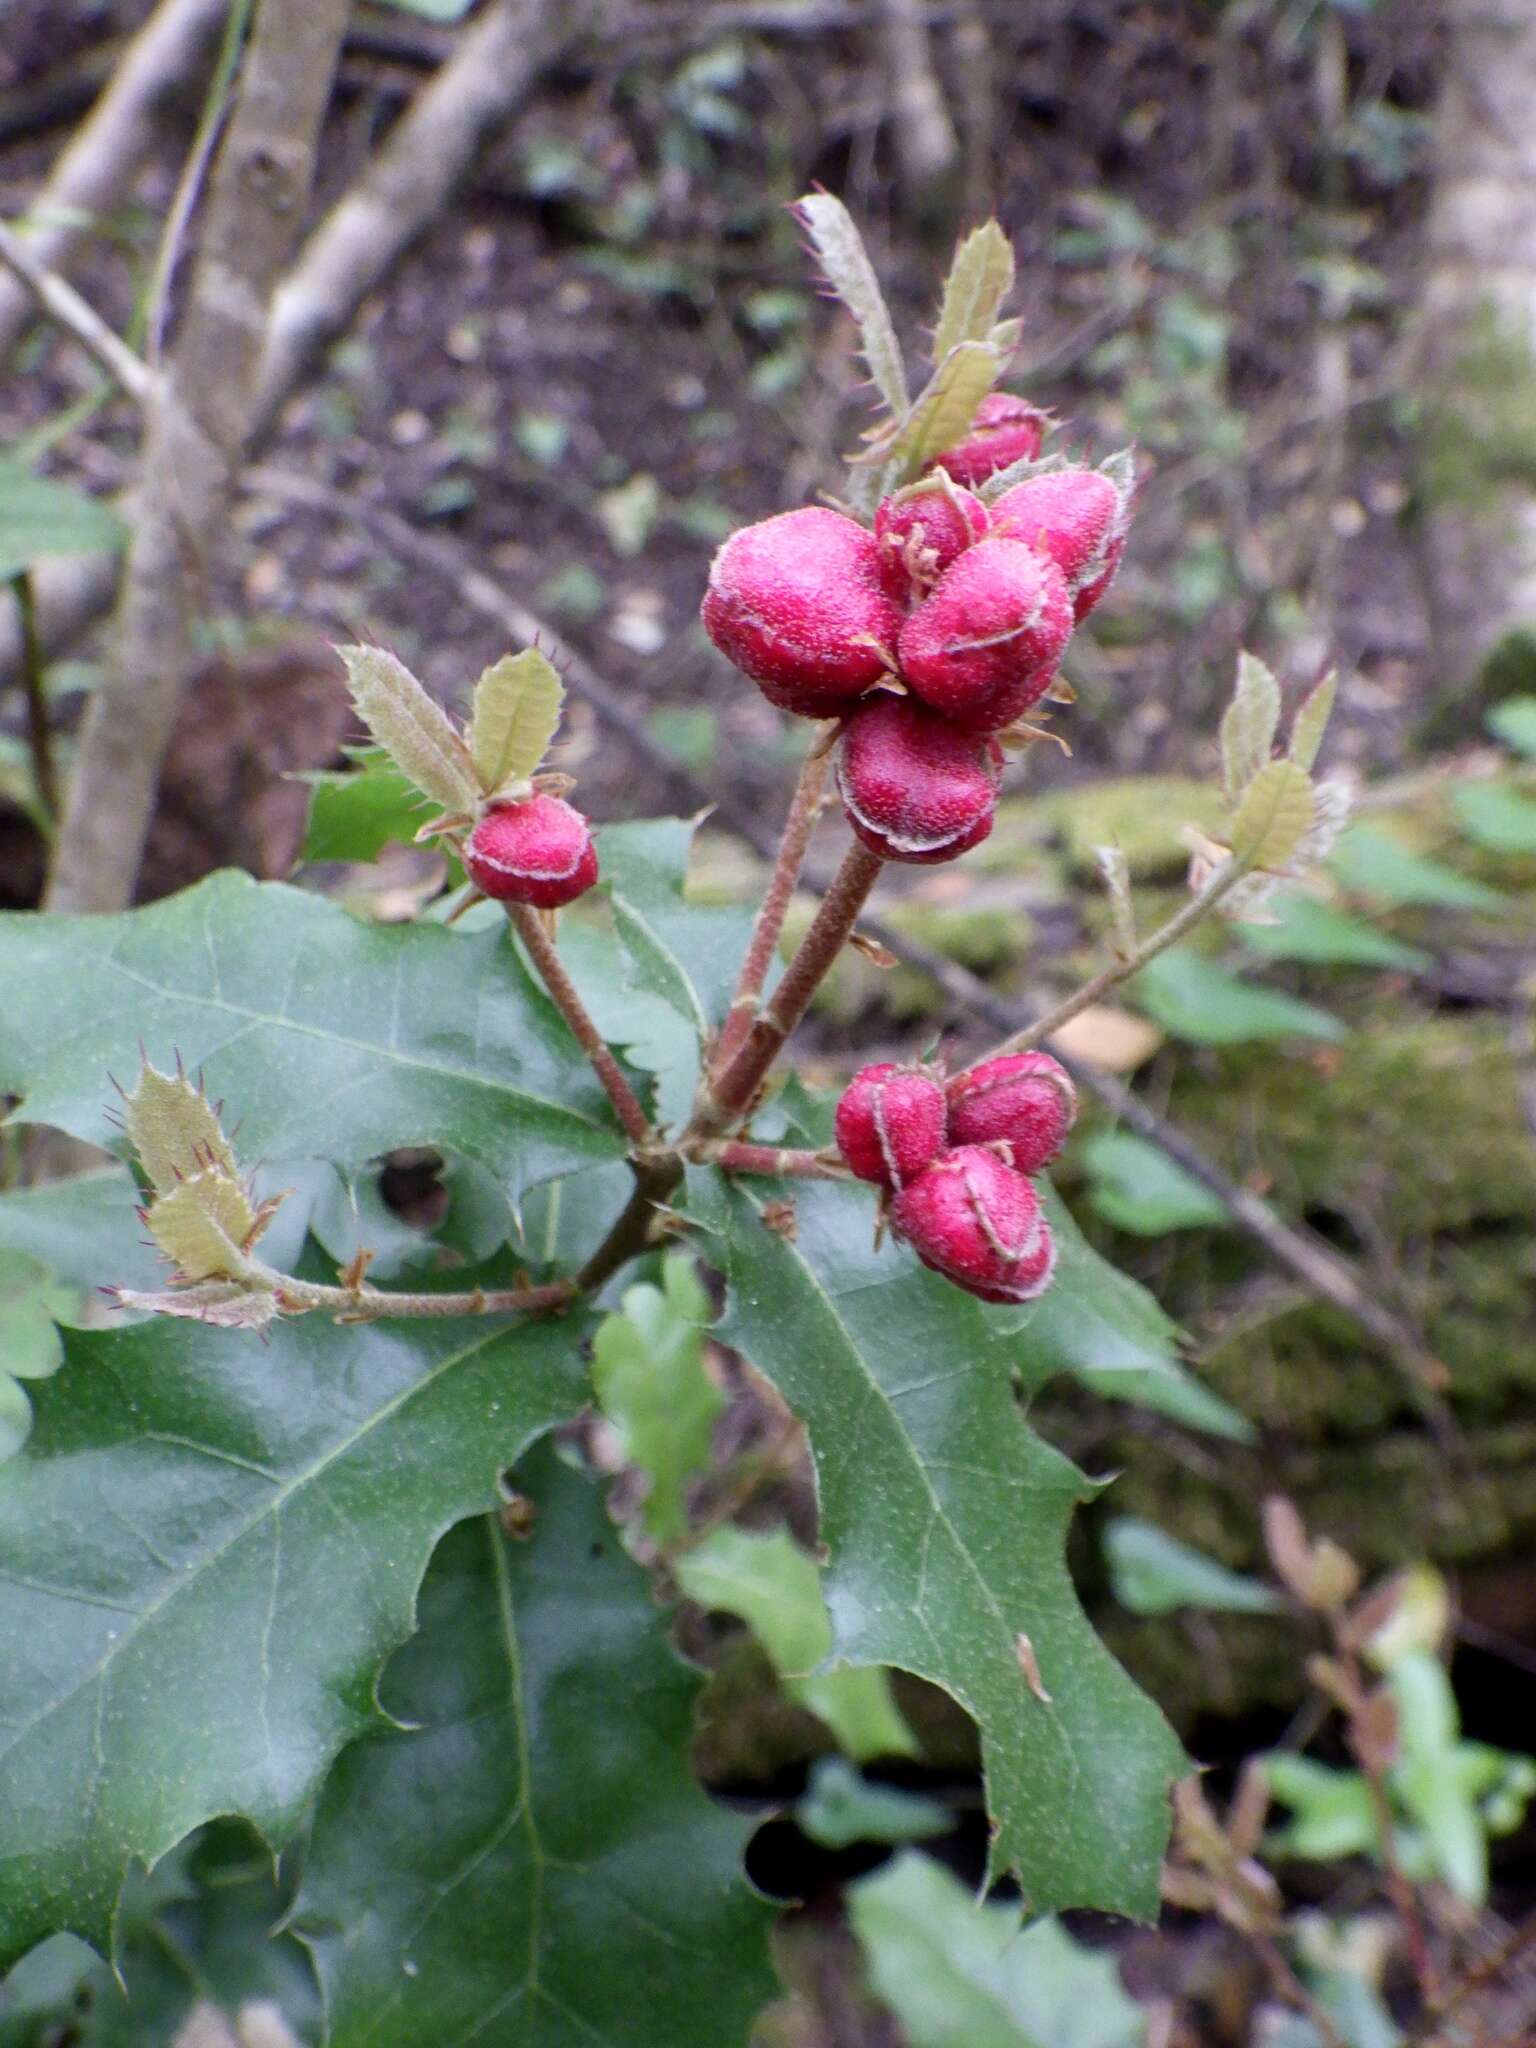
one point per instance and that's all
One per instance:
(1142, 814)
(1478, 434)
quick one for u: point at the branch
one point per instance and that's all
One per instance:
(408, 182)
(77, 316)
(197, 425)
(96, 172)
(735, 1155)
(372, 1304)
(567, 999)
(787, 864)
(727, 1096)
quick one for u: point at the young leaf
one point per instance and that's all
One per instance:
(774, 1586)
(515, 715)
(1311, 721)
(202, 1225)
(248, 1524)
(979, 281)
(944, 1517)
(402, 1035)
(954, 1971)
(411, 727)
(841, 253)
(942, 413)
(1151, 1572)
(1248, 726)
(1273, 816)
(529, 1857)
(649, 1376)
(173, 1129)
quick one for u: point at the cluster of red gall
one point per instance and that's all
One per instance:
(954, 1160)
(928, 637)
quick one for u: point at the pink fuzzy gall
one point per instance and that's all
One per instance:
(1023, 1101)
(978, 1221)
(796, 603)
(1072, 515)
(539, 852)
(915, 788)
(1005, 429)
(890, 1123)
(985, 645)
(921, 530)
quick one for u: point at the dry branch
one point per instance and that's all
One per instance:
(197, 423)
(95, 172)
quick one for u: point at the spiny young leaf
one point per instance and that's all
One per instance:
(650, 1379)
(406, 1034)
(515, 715)
(174, 1129)
(223, 1304)
(1273, 817)
(411, 727)
(765, 1578)
(1019, 472)
(944, 1518)
(1006, 336)
(979, 281)
(943, 411)
(1248, 726)
(954, 1971)
(202, 1226)
(211, 1546)
(1311, 721)
(529, 1859)
(840, 251)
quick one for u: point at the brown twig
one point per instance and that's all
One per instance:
(788, 862)
(567, 999)
(726, 1097)
(736, 1155)
(372, 1304)
(77, 316)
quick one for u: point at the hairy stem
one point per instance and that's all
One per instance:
(1199, 907)
(770, 918)
(541, 950)
(735, 1155)
(727, 1097)
(39, 737)
(369, 1304)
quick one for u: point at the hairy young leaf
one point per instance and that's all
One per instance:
(649, 1377)
(211, 1545)
(1248, 726)
(516, 712)
(327, 1037)
(411, 727)
(841, 253)
(529, 1860)
(979, 281)
(943, 411)
(767, 1579)
(957, 1972)
(945, 1519)
(1311, 721)
(1274, 815)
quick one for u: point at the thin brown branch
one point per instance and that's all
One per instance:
(374, 1304)
(736, 1155)
(726, 1097)
(63, 304)
(95, 174)
(803, 811)
(197, 424)
(567, 999)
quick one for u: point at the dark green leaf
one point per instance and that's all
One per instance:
(211, 1545)
(1138, 1188)
(1153, 1573)
(39, 518)
(1317, 932)
(1371, 863)
(944, 1518)
(354, 814)
(86, 1230)
(327, 1037)
(962, 1975)
(530, 1860)
(1194, 998)
(1497, 818)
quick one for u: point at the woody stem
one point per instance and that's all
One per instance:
(541, 950)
